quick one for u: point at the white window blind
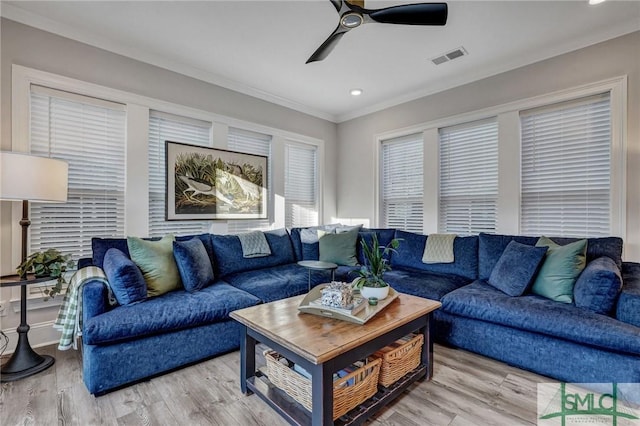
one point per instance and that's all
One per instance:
(402, 183)
(89, 134)
(468, 190)
(301, 185)
(166, 127)
(566, 169)
(251, 143)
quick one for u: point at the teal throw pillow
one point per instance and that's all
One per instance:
(155, 260)
(339, 248)
(560, 270)
(193, 263)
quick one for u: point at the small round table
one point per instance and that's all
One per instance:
(317, 265)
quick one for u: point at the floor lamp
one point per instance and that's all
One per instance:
(25, 178)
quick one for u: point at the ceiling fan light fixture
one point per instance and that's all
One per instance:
(355, 92)
(351, 20)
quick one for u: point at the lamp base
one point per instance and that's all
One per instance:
(47, 361)
(25, 361)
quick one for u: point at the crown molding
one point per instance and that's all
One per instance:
(15, 13)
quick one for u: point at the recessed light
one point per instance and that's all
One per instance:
(592, 2)
(355, 92)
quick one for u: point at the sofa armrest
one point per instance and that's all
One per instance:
(95, 300)
(628, 308)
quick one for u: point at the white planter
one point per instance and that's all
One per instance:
(378, 292)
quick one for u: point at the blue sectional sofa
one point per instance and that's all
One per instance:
(128, 343)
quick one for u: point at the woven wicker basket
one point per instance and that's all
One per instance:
(399, 361)
(345, 396)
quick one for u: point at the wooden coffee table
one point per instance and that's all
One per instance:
(323, 346)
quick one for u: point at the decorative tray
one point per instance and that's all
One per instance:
(310, 305)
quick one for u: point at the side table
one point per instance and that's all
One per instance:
(317, 265)
(25, 361)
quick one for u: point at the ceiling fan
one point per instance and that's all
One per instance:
(353, 14)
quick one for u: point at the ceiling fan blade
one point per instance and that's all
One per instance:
(328, 45)
(359, 3)
(411, 14)
(337, 4)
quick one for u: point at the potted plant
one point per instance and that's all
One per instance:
(48, 263)
(371, 281)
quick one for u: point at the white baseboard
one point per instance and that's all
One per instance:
(41, 334)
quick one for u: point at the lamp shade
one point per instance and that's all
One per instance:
(32, 178)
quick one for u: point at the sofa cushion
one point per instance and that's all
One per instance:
(125, 278)
(99, 246)
(277, 282)
(339, 248)
(628, 306)
(155, 260)
(560, 269)
(305, 240)
(409, 255)
(423, 283)
(598, 247)
(540, 315)
(194, 265)
(228, 253)
(491, 246)
(171, 311)
(598, 286)
(516, 268)
(384, 239)
(343, 273)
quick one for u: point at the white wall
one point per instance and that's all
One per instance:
(33, 48)
(613, 58)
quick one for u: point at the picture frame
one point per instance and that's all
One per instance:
(205, 183)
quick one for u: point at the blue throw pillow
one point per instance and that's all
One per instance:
(125, 278)
(516, 268)
(193, 263)
(598, 286)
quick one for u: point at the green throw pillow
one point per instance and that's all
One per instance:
(155, 260)
(560, 270)
(339, 248)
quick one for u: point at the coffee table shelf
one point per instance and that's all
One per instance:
(294, 413)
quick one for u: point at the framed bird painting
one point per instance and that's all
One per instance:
(209, 183)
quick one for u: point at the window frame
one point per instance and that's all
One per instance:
(318, 179)
(404, 138)
(482, 197)
(508, 215)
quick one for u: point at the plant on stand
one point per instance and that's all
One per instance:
(371, 281)
(49, 263)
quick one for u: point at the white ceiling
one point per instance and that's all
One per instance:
(260, 47)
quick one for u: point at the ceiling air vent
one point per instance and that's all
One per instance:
(449, 56)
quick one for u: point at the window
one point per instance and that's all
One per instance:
(258, 144)
(166, 127)
(301, 185)
(468, 190)
(402, 182)
(89, 134)
(566, 169)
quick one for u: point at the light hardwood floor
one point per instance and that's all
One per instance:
(466, 390)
